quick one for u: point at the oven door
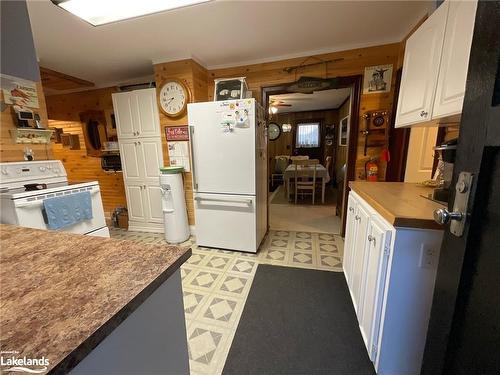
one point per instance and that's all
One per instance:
(29, 210)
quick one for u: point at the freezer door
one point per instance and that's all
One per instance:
(226, 221)
(223, 151)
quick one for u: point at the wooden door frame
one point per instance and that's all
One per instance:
(353, 82)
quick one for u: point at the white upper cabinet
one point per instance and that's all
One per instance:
(420, 69)
(435, 65)
(136, 113)
(125, 110)
(149, 118)
(455, 59)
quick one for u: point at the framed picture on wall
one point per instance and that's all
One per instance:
(344, 131)
(377, 79)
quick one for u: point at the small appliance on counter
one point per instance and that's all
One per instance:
(447, 153)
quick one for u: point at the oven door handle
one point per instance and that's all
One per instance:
(39, 202)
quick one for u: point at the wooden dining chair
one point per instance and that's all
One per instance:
(304, 181)
(299, 157)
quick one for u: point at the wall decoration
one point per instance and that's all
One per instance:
(177, 133)
(110, 124)
(178, 154)
(344, 131)
(377, 79)
(178, 146)
(20, 92)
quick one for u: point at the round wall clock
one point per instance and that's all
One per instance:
(174, 97)
(274, 131)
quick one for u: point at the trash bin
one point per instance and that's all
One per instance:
(174, 204)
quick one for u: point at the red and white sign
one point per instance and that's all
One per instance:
(177, 133)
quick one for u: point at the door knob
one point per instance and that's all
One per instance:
(443, 216)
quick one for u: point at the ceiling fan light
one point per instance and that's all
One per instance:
(101, 12)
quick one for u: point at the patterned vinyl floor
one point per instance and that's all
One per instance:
(216, 284)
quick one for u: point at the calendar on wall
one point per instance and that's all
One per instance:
(178, 146)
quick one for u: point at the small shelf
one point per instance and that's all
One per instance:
(30, 135)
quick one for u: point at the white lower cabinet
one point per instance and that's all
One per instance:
(390, 273)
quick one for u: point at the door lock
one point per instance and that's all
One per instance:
(458, 217)
(443, 216)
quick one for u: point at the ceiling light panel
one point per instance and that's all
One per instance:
(101, 12)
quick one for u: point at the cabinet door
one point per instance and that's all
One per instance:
(152, 199)
(420, 70)
(125, 110)
(132, 160)
(148, 117)
(455, 58)
(358, 256)
(373, 283)
(135, 202)
(349, 238)
(152, 159)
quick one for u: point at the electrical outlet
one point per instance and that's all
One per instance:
(428, 256)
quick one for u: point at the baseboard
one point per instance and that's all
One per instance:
(145, 227)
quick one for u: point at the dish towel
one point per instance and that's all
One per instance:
(68, 210)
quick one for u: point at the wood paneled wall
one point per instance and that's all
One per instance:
(10, 151)
(344, 63)
(64, 112)
(195, 77)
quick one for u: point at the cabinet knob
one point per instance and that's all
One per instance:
(351, 209)
(357, 217)
(135, 143)
(424, 114)
(139, 143)
(372, 239)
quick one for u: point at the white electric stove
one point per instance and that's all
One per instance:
(25, 208)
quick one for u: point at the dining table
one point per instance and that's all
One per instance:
(306, 171)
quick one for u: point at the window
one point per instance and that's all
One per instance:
(307, 135)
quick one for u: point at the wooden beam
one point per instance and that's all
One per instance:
(60, 81)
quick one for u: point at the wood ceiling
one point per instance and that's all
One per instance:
(60, 81)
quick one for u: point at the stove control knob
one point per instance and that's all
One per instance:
(18, 170)
(4, 171)
(42, 169)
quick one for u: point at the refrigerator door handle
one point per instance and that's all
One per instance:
(247, 201)
(193, 170)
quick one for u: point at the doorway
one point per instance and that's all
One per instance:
(312, 141)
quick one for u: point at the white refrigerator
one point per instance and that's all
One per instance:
(229, 157)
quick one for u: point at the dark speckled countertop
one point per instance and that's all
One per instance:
(61, 294)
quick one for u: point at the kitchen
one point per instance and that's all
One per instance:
(124, 153)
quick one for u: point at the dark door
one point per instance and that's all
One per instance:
(464, 329)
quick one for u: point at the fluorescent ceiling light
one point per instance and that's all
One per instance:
(100, 12)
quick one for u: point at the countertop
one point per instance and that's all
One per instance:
(62, 294)
(400, 203)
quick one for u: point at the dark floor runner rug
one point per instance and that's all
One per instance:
(298, 321)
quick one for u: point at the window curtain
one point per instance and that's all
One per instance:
(307, 135)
